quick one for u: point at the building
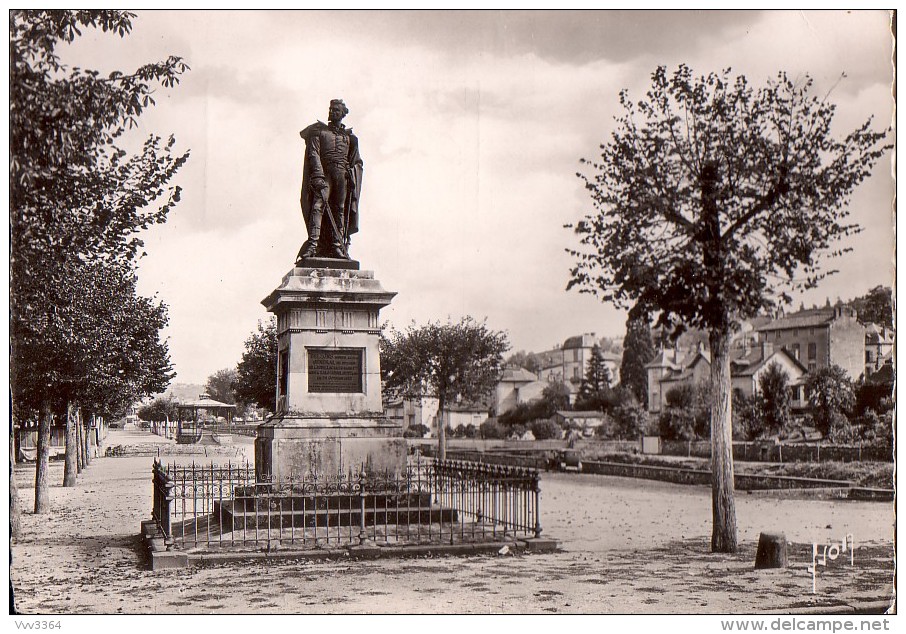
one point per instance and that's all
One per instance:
(568, 362)
(672, 368)
(516, 385)
(586, 421)
(413, 411)
(423, 411)
(746, 372)
(878, 348)
(820, 337)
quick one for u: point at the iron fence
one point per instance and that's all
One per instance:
(450, 501)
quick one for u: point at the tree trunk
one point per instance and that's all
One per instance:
(80, 459)
(86, 443)
(15, 511)
(42, 495)
(441, 432)
(723, 505)
(70, 467)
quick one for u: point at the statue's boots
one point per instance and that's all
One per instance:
(310, 246)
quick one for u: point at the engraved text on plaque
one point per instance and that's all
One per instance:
(335, 370)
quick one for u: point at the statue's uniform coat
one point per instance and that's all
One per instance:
(319, 136)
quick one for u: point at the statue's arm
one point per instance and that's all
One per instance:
(313, 153)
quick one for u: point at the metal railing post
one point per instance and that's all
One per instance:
(362, 533)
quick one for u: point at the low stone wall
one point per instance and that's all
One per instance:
(538, 461)
(770, 452)
(743, 481)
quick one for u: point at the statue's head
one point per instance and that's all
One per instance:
(337, 110)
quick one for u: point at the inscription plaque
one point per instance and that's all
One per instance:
(337, 371)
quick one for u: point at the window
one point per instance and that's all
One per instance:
(796, 393)
(812, 351)
(576, 371)
(796, 351)
(812, 365)
(868, 358)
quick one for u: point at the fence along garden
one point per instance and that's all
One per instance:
(197, 507)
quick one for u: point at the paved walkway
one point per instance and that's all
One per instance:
(629, 546)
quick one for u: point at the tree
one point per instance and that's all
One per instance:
(77, 202)
(546, 430)
(774, 396)
(453, 362)
(631, 418)
(556, 396)
(638, 350)
(594, 390)
(527, 360)
(875, 307)
(162, 408)
(219, 385)
(830, 395)
(711, 200)
(492, 430)
(256, 374)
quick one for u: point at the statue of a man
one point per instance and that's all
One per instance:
(331, 183)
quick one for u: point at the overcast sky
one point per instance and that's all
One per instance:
(471, 126)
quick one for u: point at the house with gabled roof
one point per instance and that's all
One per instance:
(820, 337)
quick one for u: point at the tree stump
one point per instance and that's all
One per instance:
(771, 551)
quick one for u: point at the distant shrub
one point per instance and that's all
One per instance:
(491, 429)
(546, 430)
(415, 431)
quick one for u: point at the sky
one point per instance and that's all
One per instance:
(471, 126)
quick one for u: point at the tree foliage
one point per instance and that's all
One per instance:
(79, 332)
(256, 374)
(595, 392)
(526, 360)
(219, 386)
(780, 185)
(875, 307)
(162, 408)
(831, 396)
(453, 361)
(711, 200)
(774, 399)
(638, 350)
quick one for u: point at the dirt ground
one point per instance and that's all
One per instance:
(628, 546)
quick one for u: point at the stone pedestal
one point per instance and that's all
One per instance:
(329, 412)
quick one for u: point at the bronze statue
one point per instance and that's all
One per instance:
(331, 183)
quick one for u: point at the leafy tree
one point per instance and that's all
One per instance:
(747, 419)
(162, 408)
(527, 360)
(556, 397)
(452, 361)
(77, 203)
(256, 374)
(830, 396)
(638, 350)
(546, 430)
(631, 420)
(219, 385)
(875, 307)
(594, 390)
(711, 199)
(492, 430)
(774, 396)
(415, 431)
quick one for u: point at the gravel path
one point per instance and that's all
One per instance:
(629, 546)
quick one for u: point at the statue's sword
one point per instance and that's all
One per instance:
(333, 223)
